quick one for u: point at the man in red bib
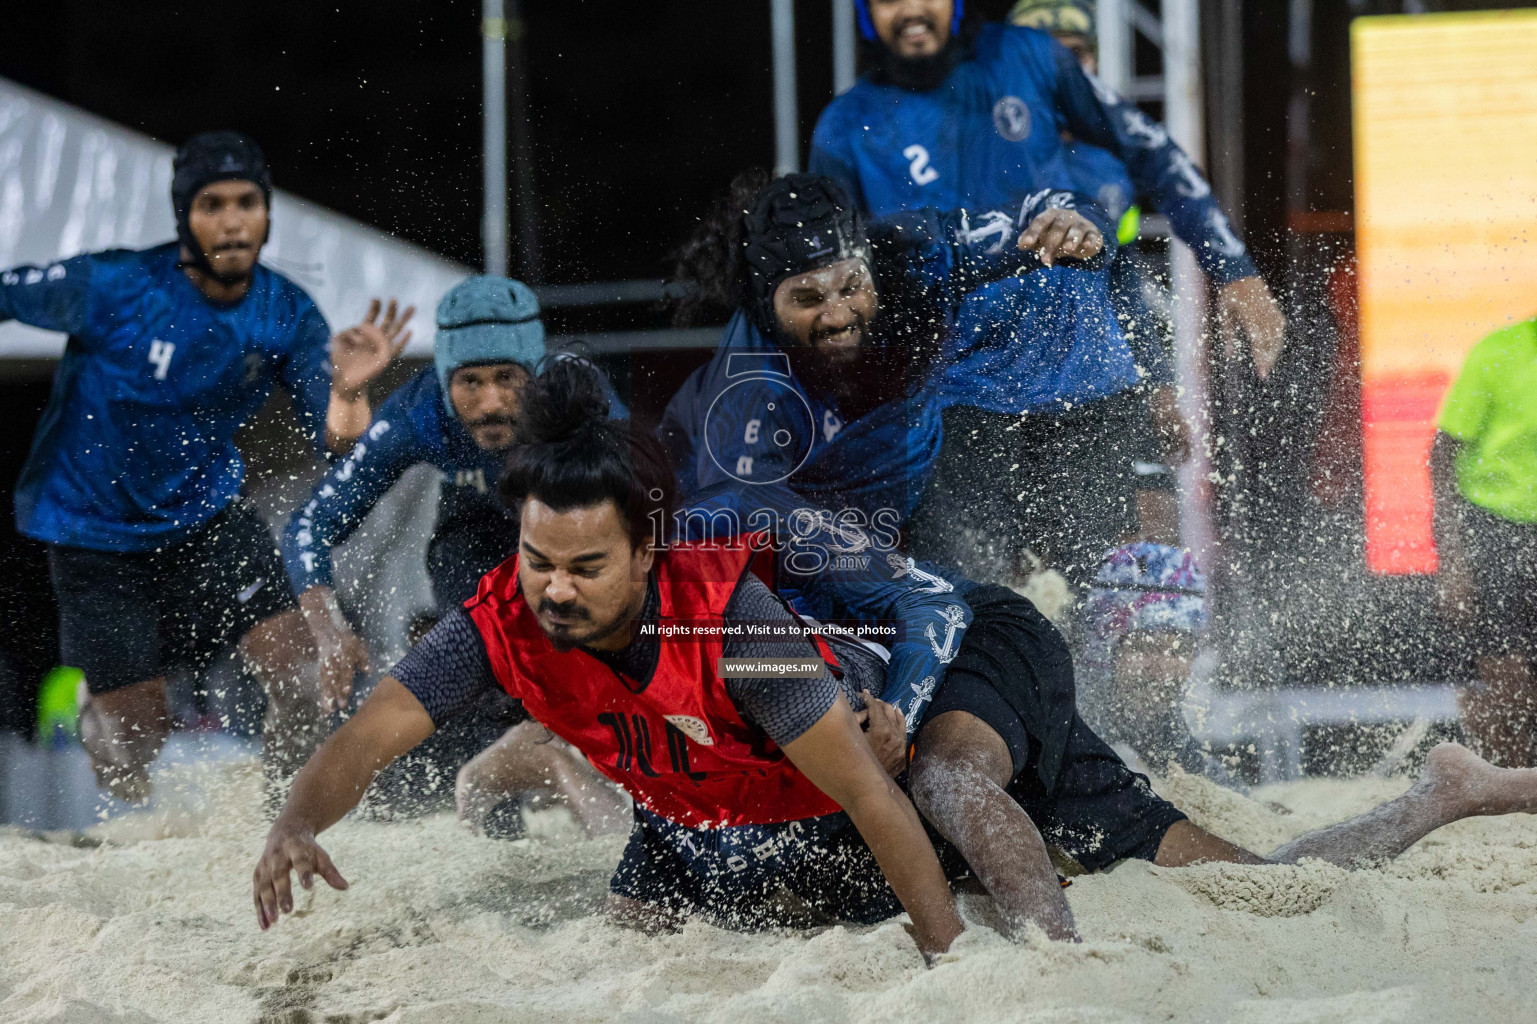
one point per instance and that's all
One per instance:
(760, 801)
(556, 626)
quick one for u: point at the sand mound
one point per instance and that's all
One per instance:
(440, 927)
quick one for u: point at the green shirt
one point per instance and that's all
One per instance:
(1492, 410)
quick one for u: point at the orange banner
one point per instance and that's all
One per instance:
(1445, 123)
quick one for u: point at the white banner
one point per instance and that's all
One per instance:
(71, 183)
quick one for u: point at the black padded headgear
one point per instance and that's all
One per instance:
(798, 223)
(203, 160)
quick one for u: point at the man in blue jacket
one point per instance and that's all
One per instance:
(819, 414)
(1097, 172)
(845, 343)
(456, 415)
(134, 480)
(945, 121)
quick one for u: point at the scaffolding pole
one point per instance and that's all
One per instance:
(493, 105)
(1183, 113)
(843, 46)
(786, 115)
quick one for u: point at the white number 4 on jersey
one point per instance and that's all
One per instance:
(160, 355)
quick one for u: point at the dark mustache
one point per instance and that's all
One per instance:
(824, 333)
(917, 19)
(569, 610)
(494, 419)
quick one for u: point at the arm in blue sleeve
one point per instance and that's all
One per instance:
(962, 250)
(862, 579)
(1159, 169)
(306, 376)
(346, 494)
(56, 297)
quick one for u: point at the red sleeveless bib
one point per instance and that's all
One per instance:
(677, 744)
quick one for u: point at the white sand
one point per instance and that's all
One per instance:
(442, 927)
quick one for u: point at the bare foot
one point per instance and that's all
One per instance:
(1474, 786)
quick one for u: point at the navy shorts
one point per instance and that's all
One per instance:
(794, 874)
(1013, 672)
(127, 617)
(1063, 487)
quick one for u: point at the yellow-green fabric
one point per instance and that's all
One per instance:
(1130, 227)
(1492, 409)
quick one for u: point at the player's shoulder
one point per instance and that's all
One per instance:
(848, 110)
(1000, 38)
(1516, 341)
(283, 297)
(126, 264)
(417, 405)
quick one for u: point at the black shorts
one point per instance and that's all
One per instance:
(126, 617)
(1063, 487)
(1504, 568)
(1014, 673)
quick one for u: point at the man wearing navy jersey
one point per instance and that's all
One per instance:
(134, 480)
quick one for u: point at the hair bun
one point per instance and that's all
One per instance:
(566, 399)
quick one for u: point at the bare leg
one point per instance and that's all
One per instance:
(281, 652)
(122, 732)
(528, 757)
(957, 781)
(1186, 844)
(1457, 784)
(1501, 715)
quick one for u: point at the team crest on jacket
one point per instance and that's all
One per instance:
(693, 728)
(1012, 118)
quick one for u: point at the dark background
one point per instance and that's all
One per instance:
(639, 113)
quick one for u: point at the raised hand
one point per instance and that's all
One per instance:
(361, 352)
(1062, 234)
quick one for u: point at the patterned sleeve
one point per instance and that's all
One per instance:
(348, 492)
(448, 670)
(783, 708)
(1159, 169)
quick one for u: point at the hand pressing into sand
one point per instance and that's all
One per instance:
(289, 849)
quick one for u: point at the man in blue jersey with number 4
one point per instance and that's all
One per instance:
(134, 480)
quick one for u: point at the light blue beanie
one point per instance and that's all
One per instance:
(487, 320)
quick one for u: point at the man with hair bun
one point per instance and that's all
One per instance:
(134, 479)
(751, 790)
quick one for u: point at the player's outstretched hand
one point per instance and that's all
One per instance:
(886, 732)
(1062, 234)
(1248, 303)
(361, 352)
(289, 849)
